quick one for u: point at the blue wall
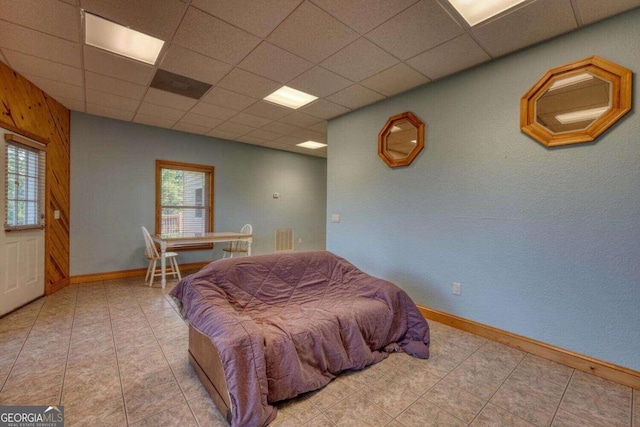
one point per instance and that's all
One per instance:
(545, 242)
(113, 191)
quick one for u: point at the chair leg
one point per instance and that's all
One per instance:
(175, 263)
(153, 272)
(146, 277)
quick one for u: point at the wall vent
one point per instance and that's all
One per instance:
(284, 240)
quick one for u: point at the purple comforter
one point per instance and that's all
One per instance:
(285, 324)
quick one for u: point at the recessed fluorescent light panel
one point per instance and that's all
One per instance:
(581, 116)
(312, 145)
(476, 11)
(115, 38)
(291, 98)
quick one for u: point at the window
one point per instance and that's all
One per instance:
(184, 198)
(24, 184)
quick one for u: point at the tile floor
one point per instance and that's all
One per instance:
(114, 354)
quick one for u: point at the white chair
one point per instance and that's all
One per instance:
(239, 246)
(153, 256)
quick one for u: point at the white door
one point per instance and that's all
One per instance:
(21, 253)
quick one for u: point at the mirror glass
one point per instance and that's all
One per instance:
(576, 102)
(573, 103)
(401, 139)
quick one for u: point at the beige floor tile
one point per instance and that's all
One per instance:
(295, 412)
(462, 339)
(425, 414)
(535, 402)
(206, 413)
(567, 419)
(357, 411)
(492, 416)
(144, 402)
(96, 414)
(598, 400)
(187, 378)
(417, 381)
(391, 396)
(320, 421)
(179, 415)
(330, 394)
(81, 386)
(455, 401)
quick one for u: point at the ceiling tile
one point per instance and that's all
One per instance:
(105, 63)
(319, 127)
(300, 119)
(268, 110)
(363, 15)
(38, 44)
(450, 57)
(300, 33)
(212, 37)
(359, 60)
(202, 121)
(289, 140)
(248, 139)
(168, 99)
(191, 64)
(115, 86)
(532, 23)
(235, 128)
(112, 101)
(156, 18)
(281, 128)
(190, 128)
(264, 134)
(154, 121)
(57, 89)
(274, 63)
(249, 120)
(394, 80)
(71, 104)
(216, 133)
(325, 109)
(47, 16)
(276, 145)
(355, 96)
(214, 111)
(310, 135)
(420, 27)
(226, 98)
(256, 17)
(160, 111)
(101, 110)
(2, 58)
(71, 2)
(595, 10)
(248, 84)
(319, 82)
(43, 68)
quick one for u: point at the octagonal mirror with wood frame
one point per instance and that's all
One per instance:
(401, 139)
(576, 102)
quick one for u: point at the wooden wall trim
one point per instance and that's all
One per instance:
(600, 368)
(123, 274)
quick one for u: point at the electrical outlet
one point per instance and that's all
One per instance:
(335, 218)
(456, 288)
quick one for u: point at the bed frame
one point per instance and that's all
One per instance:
(205, 359)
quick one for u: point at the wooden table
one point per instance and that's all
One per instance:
(181, 239)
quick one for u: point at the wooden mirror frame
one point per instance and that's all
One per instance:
(384, 154)
(620, 79)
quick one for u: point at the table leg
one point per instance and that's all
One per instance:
(163, 263)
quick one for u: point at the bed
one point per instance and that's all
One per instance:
(268, 328)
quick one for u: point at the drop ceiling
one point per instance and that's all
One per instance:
(349, 53)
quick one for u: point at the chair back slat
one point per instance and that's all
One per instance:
(150, 247)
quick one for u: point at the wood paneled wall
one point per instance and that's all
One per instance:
(28, 111)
